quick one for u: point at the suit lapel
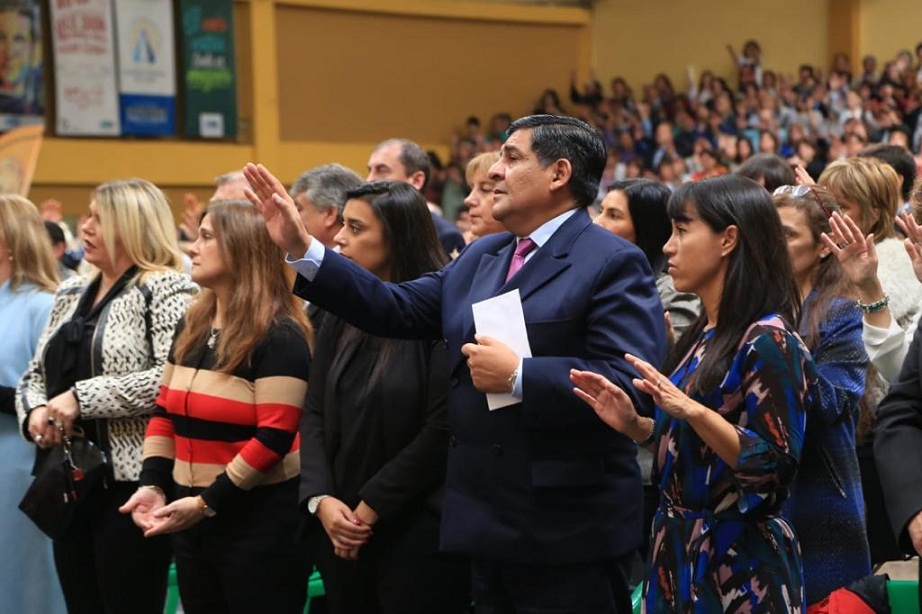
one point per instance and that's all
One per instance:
(547, 264)
(552, 259)
(489, 277)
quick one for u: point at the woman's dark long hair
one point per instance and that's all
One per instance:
(414, 248)
(759, 279)
(646, 202)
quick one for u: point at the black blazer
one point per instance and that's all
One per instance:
(544, 481)
(898, 445)
(382, 439)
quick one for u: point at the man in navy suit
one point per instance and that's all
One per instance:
(544, 498)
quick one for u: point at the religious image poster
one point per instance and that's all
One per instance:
(83, 48)
(22, 95)
(146, 67)
(210, 93)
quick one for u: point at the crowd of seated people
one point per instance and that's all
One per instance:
(715, 125)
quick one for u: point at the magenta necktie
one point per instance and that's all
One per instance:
(524, 248)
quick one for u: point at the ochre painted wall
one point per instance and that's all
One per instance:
(639, 38)
(889, 26)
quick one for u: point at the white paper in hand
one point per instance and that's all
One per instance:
(501, 317)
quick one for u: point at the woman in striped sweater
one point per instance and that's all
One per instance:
(221, 454)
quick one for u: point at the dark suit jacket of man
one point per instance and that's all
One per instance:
(544, 481)
(898, 445)
(450, 237)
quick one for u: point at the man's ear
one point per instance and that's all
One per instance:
(561, 172)
(331, 217)
(417, 180)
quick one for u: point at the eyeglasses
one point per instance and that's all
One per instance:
(801, 191)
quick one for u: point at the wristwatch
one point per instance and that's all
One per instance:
(204, 508)
(314, 503)
(512, 379)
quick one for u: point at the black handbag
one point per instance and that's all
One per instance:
(64, 475)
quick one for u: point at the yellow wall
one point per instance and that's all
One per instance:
(889, 26)
(364, 77)
(639, 38)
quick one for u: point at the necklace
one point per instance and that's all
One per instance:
(212, 338)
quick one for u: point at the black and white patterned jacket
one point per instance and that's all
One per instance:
(129, 351)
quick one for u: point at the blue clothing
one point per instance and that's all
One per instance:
(719, 541)
(28, 582)
(544, 481)
(826, 505)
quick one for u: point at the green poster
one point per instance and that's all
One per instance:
(210, 94)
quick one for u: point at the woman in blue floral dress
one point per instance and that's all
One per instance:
(729, 423)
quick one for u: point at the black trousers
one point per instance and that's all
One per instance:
(105, 564)
(399, 571)
(245, 559)
(589, 588)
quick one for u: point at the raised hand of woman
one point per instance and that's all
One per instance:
(913, 242)
(665, 394)
(610, 402)
(855, 251)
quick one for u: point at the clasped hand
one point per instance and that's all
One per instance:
(150, 512)
(348, 530)
(49, 423)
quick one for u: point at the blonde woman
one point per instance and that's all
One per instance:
(28, 279)
(98, 367)
(480, 200)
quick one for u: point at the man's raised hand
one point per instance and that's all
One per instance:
(278, 209)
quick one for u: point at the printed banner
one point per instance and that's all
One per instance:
(22, 96)
(18, 158)
(146, 67)
(86, 94)
(210, 95)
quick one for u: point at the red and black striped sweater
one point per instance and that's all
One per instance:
(229, 433)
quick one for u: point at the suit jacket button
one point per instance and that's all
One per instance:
(497, 449)
(452, 441)
(454, 382)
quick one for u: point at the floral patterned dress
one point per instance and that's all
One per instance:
(718, 542)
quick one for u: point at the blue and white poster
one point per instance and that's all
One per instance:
(146, 67)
